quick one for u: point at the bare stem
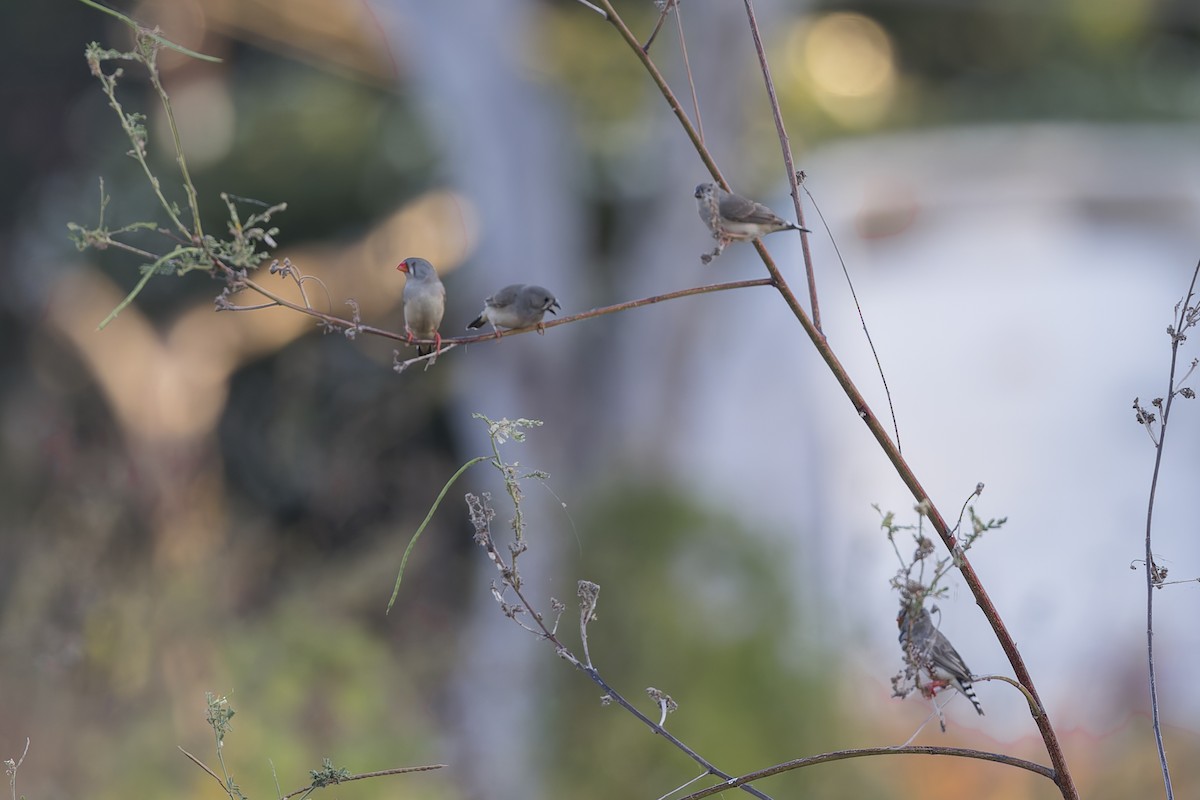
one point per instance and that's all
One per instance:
(887, 391)
(1034, 708)
(206, 768)
(188, 186)
(687, 66)
(592, 7)
(786, 145)
(662, 16)
(11, 767)
(1181, 323)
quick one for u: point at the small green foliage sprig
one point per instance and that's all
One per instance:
(249, 240)
(499, 432)
(920, 576)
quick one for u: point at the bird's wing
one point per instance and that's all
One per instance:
(739, 209)
(946, 657)
(506, 296)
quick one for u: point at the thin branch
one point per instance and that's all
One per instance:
(665, 88)
(786, 146)
(360, 776)
(662, 17)
(862, 320)
(345, 324)
(227, 306)
(137, 27)
(11, 767)
(363, 775)
(966, 503)
(598, 10)
(936, 712)
(130, 126)
(1034, 709)
(205, 767)
(180, 160)
(687, 66)
(1183, 321)
(839, 755)
(682, 786)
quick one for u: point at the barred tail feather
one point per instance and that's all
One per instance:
(966, 688)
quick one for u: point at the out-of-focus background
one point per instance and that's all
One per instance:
(193, 501)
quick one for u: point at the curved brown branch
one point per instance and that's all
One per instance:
(840, 755)
(1034, 709)
(1063, 778)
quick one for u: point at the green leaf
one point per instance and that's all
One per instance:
(428, 517)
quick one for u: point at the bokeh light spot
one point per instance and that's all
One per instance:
(848, 61)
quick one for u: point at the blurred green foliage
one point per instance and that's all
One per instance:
(698, 606)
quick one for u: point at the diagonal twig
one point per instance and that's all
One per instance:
(887, 391)
(687, 66)
(786, 145)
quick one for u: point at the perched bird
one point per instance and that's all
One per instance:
(424, 303)
(733, 218)
(516, 306)
(927, 648)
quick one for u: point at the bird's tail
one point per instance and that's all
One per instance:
(966, 688)
(476, 323)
